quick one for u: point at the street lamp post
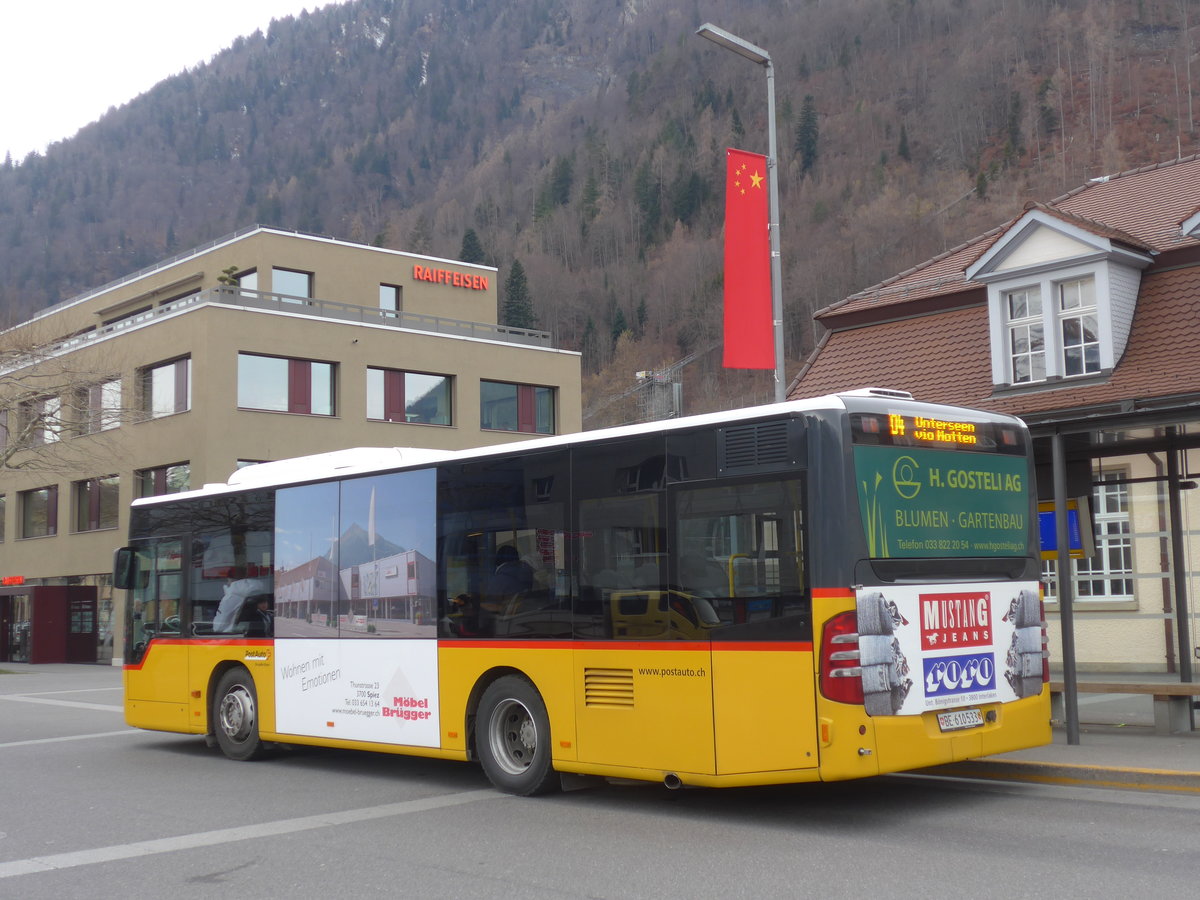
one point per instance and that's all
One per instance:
(763, 58)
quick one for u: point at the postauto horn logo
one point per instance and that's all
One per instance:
(905, 478)
(946, 676)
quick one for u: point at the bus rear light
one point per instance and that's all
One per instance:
(841, 676)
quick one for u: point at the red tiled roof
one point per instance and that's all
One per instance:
(938, 358)
(1149, 203)
(945, 356)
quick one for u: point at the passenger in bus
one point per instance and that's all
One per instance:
(235, 596)
(511, 576)
(258, 615)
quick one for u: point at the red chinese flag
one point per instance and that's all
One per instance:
(749, 335)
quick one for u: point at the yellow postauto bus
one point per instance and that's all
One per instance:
(815, 590)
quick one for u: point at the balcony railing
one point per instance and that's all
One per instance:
(308, 306)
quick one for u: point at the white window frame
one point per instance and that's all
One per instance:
(1023, 331)
(1076, 302)
(1048, 286)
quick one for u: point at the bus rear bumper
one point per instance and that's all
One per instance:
(903, 743)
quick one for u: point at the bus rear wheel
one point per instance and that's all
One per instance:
(235, 716)
(513, 737)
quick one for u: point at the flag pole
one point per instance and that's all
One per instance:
(760, 56)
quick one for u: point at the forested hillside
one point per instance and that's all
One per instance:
(586, 138)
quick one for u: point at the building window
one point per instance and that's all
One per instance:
(97, 503)
(516, 407)
(1026, 335)
(1108, 575)
(292, 283)
(100, 407)
(278, 384)
(39, 512)
(170, 479)
(166, 388)
(248, 281)
(390, 298)
(42, 421)
(395, 396)
(1080, 327)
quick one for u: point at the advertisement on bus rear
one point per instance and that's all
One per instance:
(358, 690)
(929, 647)
(920, 503)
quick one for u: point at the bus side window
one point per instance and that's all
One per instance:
(753, 534)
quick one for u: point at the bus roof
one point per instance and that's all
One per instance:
(366, 460)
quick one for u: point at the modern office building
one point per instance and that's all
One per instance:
(261, 345)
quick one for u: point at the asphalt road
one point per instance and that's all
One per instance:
(89, 808)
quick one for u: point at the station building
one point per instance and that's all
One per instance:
(261, 345)
(1082, 316)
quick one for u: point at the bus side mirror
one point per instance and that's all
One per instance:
(125, 569)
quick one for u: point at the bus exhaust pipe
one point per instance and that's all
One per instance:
(672, 782)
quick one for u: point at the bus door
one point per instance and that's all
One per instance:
(155, 662)
(740, 552)
(643, 664)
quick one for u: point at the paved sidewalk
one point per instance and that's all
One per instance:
(1118, 747)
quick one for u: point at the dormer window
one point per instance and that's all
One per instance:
(1080, 327)
(1060, 300)
(1027, 338)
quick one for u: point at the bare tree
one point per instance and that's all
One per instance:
(50, 397)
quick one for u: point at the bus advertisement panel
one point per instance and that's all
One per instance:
(932, 647)
(383, 691)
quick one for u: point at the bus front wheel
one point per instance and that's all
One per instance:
(513, 737)
(236, 716)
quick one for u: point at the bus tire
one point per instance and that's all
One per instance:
(513, 737)
(235, 716)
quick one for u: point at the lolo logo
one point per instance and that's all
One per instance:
(947, 675)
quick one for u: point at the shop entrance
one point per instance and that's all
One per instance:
(48, 624)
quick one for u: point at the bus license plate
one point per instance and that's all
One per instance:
(958, 719)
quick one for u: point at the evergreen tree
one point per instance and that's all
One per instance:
(517, 311)
(619, 326)
(739, 130)
(902, 150)
(472, 250)
(806, 135)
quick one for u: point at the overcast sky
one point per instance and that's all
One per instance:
(65, 62)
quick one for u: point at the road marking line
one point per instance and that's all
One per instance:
(72, 737)
(74, 704)
(59, 861)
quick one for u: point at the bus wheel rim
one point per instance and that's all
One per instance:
(237, 713)
(513, 736)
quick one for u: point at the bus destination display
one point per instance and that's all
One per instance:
(895, 429)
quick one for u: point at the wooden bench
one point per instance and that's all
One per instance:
(1172, 700)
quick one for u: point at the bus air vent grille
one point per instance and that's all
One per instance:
(612, 688)
(756, 447)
